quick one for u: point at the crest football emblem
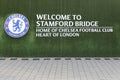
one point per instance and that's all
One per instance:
(16, 25)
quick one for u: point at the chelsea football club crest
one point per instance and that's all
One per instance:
(16, 25)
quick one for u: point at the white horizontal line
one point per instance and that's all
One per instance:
(74, 27)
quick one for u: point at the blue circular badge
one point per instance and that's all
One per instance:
(16, 25)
